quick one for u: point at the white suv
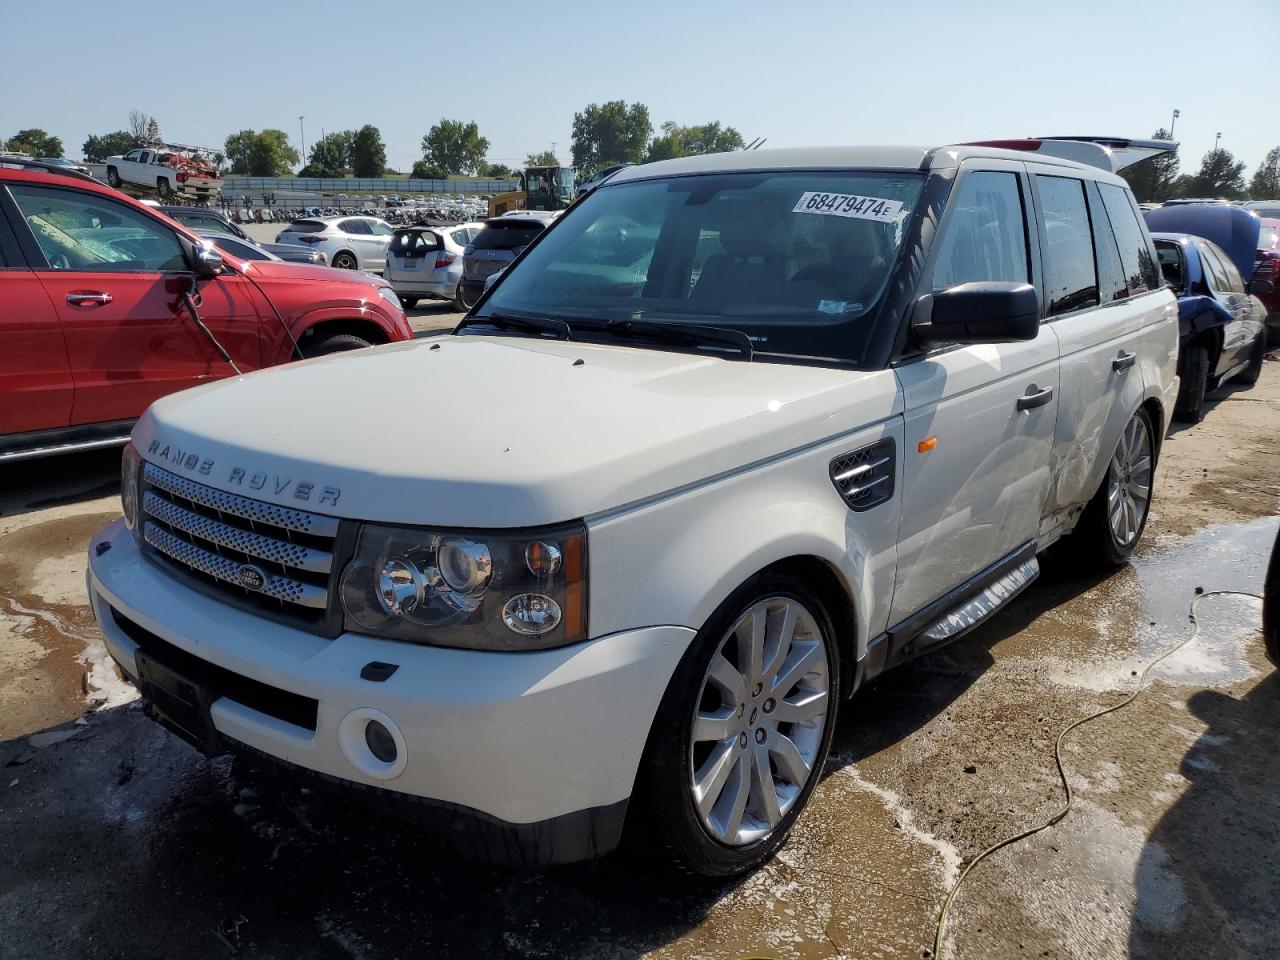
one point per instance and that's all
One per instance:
(350, 243)
(733, 436)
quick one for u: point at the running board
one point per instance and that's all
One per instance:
(976, 609)
(31, 453)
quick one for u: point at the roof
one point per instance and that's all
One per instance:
(905, 158)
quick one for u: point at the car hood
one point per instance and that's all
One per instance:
(310, 272)
(500, 432)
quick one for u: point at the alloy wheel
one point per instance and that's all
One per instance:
(1129, 482)
(759, 721)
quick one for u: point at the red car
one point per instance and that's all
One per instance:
(1267, 267)
(106, 305)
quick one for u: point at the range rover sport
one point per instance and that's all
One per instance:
(731, 437)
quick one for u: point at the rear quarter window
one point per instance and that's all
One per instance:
(1136, 256)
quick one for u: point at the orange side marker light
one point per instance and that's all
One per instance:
(927, 444)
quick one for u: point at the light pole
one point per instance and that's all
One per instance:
(1217, 137)
(302, 134)
(1174, 122)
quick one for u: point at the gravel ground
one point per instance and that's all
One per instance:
(119, 841)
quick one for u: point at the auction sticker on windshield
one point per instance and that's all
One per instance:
(848, 205)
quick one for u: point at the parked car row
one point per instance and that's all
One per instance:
(1208, 252)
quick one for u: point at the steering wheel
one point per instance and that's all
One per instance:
(59, 261)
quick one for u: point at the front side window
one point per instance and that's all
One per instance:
(1214, 271)
(1170, 258)
(82, 231)
(1068, 255)
(1140, 269)
(794, 260)
(986, 235)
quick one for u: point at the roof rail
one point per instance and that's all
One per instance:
(1112, 154)
(21, 164)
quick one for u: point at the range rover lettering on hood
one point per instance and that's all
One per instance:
(305, 490)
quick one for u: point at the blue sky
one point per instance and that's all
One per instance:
(913, 71)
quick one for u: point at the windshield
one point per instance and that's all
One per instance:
(794, 260)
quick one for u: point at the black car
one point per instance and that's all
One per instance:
(202, 220)
(247, 249)
(1271, 605)
(500, 242)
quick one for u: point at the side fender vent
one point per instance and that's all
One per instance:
(864, 478)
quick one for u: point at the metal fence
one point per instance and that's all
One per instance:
(309, 185)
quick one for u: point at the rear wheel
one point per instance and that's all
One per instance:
(1194, 382)
(409, 302)
(743, 731)
(1249, 375)
(163, 188)
(345, 261)
(333, 343)
(113, 177)
(457, 300)
(1113, 522)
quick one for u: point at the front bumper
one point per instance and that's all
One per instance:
(541, 748)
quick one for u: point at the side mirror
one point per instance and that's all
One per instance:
(206, 261)
(1262, 288)
(987, 311)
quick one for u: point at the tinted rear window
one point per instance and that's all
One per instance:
(1135, 249)
(1068, 251)
(506, 236)
(306, 226)
(205, 224)
(413, 243)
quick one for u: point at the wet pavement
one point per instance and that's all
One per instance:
(116, 840)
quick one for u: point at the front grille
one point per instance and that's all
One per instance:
(260, 554)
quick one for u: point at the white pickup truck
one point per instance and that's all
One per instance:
(168, 172)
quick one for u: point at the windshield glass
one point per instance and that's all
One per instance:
(786, 258)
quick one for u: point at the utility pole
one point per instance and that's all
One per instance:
(1217, 138)
(553, 151)
(1174, 122)
(303, 135)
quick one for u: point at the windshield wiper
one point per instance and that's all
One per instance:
(690, 333)
(560, 328)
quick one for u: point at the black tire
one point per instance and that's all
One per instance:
(163, 188)
(333, 343)
(1249, 375)
(409, 302)
(1093, 543)
(662, 818)
(113, 177)
(458, 302)
(344, 260)
(1193, 384)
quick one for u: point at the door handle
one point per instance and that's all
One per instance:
(1124, 361)
(1034, 398)
(81, 298)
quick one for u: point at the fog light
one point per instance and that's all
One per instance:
(380, 742)
(531, 614)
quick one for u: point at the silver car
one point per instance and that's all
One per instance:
(246, 249)
(427, 262)
(350, 243)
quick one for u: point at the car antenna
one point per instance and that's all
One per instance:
(191, 297)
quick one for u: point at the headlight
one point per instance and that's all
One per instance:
(130, 467)
(485, 591)
(389, 295)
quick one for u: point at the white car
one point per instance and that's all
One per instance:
(732, 437)
(350, 242)
(427, 262)
(168, 171)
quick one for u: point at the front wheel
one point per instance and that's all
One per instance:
(743, 731)
(1113, 522)
(113, 177)
(334, 343)
(409, 302)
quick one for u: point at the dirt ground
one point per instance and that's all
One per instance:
(116, 840)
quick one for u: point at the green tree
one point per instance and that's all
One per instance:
(98, 148)
(1219, 176)
(543, 159)
(454, 146)
(428, 171)
(35, 142)
(1265, 184)
(678, 141)
(498, 171)
(610, 133)
(260, 154)
(1155, 179)
(368, 152)
(326, 159)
